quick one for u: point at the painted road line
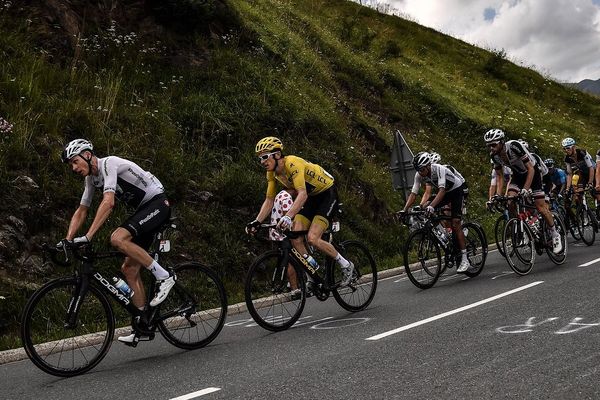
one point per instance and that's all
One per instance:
(587, 264)
(197, 394)
(452, 312)
(297, 324)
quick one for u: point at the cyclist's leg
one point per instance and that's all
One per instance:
(131, 270)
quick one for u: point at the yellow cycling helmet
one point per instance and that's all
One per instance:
(269, 143)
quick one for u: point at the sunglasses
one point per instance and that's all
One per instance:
(493, 144)
(265, 157)
(567, 147)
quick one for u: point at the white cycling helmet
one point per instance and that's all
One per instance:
(421, 159)
(76, 147)
(493, 136)
(568, 142)
(435, 157)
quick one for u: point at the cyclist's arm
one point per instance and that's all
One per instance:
(438, 197)
(77, 220)
(104, 209)
(500, 180)
(410, 201)
(598, 175)
(530, 174)
(426, 195)
(298, 203)
(265, 209)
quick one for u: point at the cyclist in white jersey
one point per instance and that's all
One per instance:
(139, 189)
(526, 176)
(449, 187)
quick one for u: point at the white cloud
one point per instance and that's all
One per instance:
(558, 37)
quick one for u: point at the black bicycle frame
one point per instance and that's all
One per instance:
(289, 253)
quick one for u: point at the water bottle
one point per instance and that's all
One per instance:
(123, 287)
(313, 263)
(441, 234)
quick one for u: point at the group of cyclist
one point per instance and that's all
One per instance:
(308, 201)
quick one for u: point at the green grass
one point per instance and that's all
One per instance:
(334, 80)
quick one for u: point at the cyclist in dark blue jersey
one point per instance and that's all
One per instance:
(555, 180)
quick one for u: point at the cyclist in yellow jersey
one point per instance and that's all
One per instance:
(315, 202)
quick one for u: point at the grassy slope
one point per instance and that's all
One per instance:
(333, 79)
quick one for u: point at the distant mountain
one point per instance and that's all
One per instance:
(589, 86)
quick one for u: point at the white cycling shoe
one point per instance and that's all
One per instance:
(557, 245)
(464, 265)
(164, 287)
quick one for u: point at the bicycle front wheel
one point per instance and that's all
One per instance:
(477, 248)
(194, 312)
(361, 290)
(62, 349)
(275, 293)
(499, 233)
(422, 259)
(519, 246)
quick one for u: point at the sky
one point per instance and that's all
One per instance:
(559, 38)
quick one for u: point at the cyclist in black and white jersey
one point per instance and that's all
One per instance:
(597, 187)
(140, 190)
(449, 187)
(526, 176)
(579, 167)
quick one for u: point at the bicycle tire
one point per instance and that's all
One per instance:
(42, 329)
(586, 224)
(194, 312)
(499, 233)
(476, 242)
(560, 258)
(517, 231)
(573, 224)
(360, 292)
(268, 296)
(422, 259)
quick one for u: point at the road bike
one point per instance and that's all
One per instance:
(527, 234)
(431, 248)
(68, 324)
(276, 285)
(581, 218)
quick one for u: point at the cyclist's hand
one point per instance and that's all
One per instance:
(429, 210)
(416, 208)
(285, 223)
(526, 192)
(400, 215)
(252, 227)
(489, 205)
(62, 244)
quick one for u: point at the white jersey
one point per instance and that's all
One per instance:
(130, 183)
(441, 177)
(506, 171)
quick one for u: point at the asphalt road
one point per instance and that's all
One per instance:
(495, 336)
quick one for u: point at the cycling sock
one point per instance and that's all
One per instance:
(159, 272)
(553, 231)
(342, 261)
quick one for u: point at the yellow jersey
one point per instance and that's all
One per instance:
(300, 174)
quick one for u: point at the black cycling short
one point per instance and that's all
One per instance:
(147, 220)
(320, 208)
(518, 181)
(455, 198)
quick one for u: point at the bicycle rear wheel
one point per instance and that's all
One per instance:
(477, 248)
(361, 290)
(587, 225)
(194, 312)
(519, 246)
(422, 259)
(275, 293)
(562, 231)
(63, 350)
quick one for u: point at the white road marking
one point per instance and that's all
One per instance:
(452, 312)
(310, 322)
(197, 394)
(587, 264)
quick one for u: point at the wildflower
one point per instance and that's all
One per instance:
(5, 126)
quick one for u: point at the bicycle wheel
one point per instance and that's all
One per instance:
(572, 223)
(194, 312)
(562, 231)
(519, 247)
(360, 292)
(60, 350)
(422, 259)
(477, 248)
(587, 225)
(272, 294)
(499, 233)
